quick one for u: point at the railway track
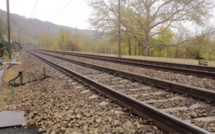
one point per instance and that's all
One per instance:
(177, 87)
(200, 71)
(166, 108)
(164, 75)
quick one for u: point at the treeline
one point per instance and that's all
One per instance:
(199, 47)
(165, 45)
(147, 26)
(27, 31)
(76, 41)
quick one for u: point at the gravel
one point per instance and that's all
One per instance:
(59, 104)
(180, 106)
(175, 77)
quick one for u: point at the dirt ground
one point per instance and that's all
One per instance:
(6, 94)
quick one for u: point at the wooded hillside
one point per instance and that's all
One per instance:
(32, 29)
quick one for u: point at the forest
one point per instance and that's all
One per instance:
(200, 47)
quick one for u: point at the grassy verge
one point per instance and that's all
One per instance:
(5, 58)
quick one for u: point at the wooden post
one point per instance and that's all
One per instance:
(20, 78)
(44, 72)
(8, 28)
(5, 68)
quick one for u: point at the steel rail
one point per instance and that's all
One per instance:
(201, 71)
(163, 120)
(179, 65)
(196, 92)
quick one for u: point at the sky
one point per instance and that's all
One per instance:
(72, 13)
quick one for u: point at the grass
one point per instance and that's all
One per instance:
(5, 58)
(12, 90)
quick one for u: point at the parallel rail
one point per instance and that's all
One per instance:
(165, 121)
(196, 92)
(201, 71)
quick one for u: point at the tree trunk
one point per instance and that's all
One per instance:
(135, 50)
(129, 46)
(176, 52)
(209, 58)
(139, 47)
(146, 44)
(146, 48)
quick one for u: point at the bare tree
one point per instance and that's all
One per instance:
(148, 15)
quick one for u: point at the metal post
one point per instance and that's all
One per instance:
(8, 29)
(119, 34)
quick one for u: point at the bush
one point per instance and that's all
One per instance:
(3, 44)
(3, 47)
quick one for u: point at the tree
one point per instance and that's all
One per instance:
(63, 39)
(161, 42)
(46, 41)
(3, 44)
(2, 28)
(149, 15)
(3, 47)
(198, 47)
(165, 36)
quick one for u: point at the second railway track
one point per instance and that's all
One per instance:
(165, 75)
(198, 112)
(200, 71)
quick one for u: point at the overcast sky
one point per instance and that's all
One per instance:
(73, 13)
